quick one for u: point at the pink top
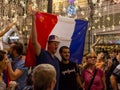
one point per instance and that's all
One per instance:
(97, 83)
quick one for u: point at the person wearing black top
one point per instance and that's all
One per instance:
(113, 54)
(69, 73)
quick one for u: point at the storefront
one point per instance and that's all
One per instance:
(109, 40)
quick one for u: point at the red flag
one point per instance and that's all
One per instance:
(44, 24)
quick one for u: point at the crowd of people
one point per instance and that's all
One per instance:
(98, 71)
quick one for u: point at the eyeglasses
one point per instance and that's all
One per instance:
(92, 57)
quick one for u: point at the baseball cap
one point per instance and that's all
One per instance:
(54, 38)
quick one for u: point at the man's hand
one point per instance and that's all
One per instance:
(31, 9)
(12, 85)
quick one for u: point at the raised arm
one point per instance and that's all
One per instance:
(93, 45)
(7, 28)
(36, 45)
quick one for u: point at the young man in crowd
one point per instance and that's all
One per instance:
(69, 72)
(16, 67)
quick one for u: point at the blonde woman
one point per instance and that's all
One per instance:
(90, 71)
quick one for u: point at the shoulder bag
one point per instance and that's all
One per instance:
(92, 79)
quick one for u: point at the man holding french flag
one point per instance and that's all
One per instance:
(46, 56)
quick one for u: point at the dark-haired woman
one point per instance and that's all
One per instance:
(3, 65)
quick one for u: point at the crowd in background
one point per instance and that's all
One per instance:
(98, 70)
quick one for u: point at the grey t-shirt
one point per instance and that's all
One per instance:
(2, 86)
(116, 72)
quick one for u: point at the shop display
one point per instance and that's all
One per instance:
(108, 42)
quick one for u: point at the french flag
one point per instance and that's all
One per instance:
(71, 32)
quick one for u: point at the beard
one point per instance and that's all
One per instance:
(65, 59)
